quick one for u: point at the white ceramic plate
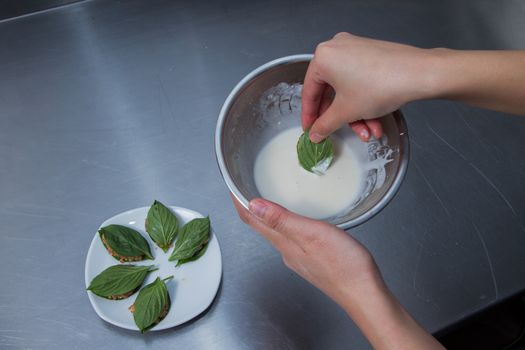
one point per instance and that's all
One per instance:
(192, 288)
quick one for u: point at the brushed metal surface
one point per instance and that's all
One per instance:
(107, 105)
(14, 8)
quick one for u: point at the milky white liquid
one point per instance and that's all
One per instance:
(280, 178)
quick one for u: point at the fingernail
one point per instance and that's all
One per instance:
(258, 208)
(316, 138)
(365, 134)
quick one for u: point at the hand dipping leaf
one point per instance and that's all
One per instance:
(152, 304)
(192, 238)
(161, 225)
(314, 157)
(119, 281)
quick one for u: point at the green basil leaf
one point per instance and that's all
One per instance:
(161, 225)
(152, 304)
(192, 237)
(124, 243)
(119, 281)
(195, 256)
(314, 157)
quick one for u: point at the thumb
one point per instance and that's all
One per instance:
(331, 120)
(285, 222)
(272, 215)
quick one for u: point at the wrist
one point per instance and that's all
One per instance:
(419, 74)
(361, 296)
(355, 295)
(438, 79)
(384, 321)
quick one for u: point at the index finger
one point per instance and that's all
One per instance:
(313, 90)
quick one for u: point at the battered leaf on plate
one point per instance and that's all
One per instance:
(195, 256)
(152, 304)
(119, 281)
(314, 157)
(124, 243)
(192, 238)
(161, 225)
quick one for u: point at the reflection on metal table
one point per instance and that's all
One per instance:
(107, 105)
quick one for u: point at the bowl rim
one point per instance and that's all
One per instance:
(404, 145)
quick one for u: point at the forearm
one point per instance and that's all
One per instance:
(488, 79)
(384, 322)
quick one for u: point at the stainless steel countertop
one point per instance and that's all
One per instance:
(107, 105)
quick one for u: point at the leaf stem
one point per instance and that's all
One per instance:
(167, 278)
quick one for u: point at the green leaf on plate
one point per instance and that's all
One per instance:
(195, 256)
(192, 238)
(161, 225)
(152, 304)
(119, 281)
(314, 157)
(124, 243)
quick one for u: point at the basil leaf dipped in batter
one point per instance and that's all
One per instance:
(152, 304)
(119, 281)
(124, 243)
(314, 157)
(161, 225)
(192, 238)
